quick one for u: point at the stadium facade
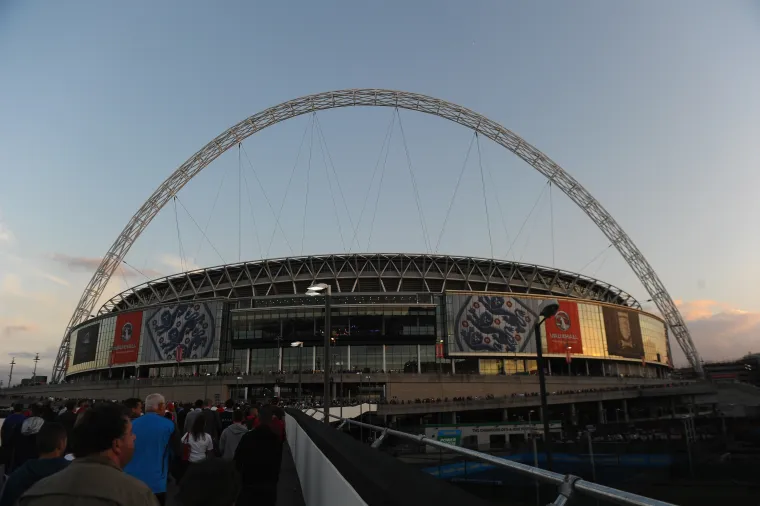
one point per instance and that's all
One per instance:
(393, 313)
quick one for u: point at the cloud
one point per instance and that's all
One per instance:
(11, 330)
(719, 331)
(5, 233)
(91, 264)
(178, 264)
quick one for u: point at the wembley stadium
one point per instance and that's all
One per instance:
(390, 313)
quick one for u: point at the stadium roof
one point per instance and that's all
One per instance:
(365, 273)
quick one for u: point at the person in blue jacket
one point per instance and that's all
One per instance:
(156, 442)
(51, 445)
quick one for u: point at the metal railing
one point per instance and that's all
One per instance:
(568, 485)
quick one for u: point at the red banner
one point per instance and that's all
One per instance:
(563, 330)
(438, 350)
(126, 339)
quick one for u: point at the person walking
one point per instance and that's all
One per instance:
(51, 445)
(258, 458)
(157, 441)
(9, 434)
(197, 444)
(231, 436)
(103, 443)
(213, 422)
(213, 482)
(190, 418)
(25, 446)
(67, 417)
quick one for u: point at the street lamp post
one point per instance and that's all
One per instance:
(317, 290)
(529, 421)
(299, 345)
(548, 309)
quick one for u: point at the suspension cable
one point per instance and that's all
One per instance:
(541, 194)
(213, 207)
(498, 205)
(379, 187)
(595, 258)
(308, 173)
(179, 238)
(269, 203)
(551, 218)
(330, 186)
(601, 264)
(454, 195)
(321, 134)
(136, 270)
(388, 133)
(414, 184)
(485, 196)
(253, 217)
(177, 199)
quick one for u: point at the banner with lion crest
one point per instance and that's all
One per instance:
(493, 324)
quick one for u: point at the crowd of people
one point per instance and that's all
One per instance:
(127, 453)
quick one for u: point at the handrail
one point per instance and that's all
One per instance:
(568, 484)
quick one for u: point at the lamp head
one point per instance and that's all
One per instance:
(549, 308)
(316, 289)
(296, 344)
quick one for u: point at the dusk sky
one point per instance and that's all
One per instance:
(652, 106)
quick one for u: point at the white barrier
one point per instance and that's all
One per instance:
(348, 411)
(321, 483)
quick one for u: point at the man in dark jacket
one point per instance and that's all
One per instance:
(226, 415)
(51, 445)
(25, 447)
(9, 434)
(67, 418)
(258, 458)
(213, 423)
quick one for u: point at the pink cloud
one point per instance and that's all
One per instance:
(719, 331)
(91, 264)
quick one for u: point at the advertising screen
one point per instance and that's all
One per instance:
(86, 344)
(450, 436)
(190, 328)
(493, 323)
(126, 338)
(623, 332)
(563, 330)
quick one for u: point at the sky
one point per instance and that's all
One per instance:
(652, 106)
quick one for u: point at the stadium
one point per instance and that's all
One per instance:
(412, 325)
(390, 313)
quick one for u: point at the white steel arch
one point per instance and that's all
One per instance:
(377, 98)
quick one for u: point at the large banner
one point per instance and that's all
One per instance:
(563, 330)
(126, 339)
(623, 332)
(189, 327)
(87, 344)
(486, 323)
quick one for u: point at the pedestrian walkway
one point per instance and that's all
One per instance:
(288, 488)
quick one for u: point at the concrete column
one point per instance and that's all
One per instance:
(384, 368)
(454, 417)
(573, 414)
(588, 373)
(505, 415)
(625, 410)
(349, 357)
(617, 369)
(601, 413)
(453, 367)
(604, 370)
(247, 361)
(279, 358)
(673, 407)
(334, 389)
(419, 362)
(314, 359)
(549, 365)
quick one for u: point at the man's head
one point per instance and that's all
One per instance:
(51, 441)
(237, 416)
(70, 405)
(208, 403)
(104, 430)
(199, 404)
(254, 411)
(36, 409)
(155, 403)
(134, 406)
(229, 404)
(18, 407)
(84, 404)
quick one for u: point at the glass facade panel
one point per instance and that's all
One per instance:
(400, 358)
(655, 338)
(367, 358)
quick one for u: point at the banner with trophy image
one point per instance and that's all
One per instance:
(623, 332)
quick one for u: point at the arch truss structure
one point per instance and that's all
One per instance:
(377, 98)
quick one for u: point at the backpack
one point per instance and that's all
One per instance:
(186, 448)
